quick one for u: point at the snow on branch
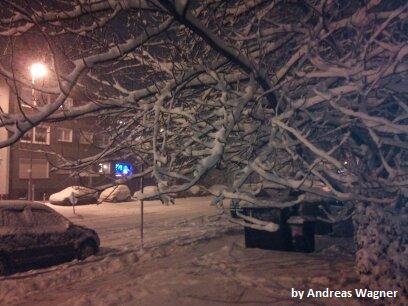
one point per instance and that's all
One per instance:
(297, 101)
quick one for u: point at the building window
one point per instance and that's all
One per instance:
(27, 137)
(64, 135)
(41, 98)
(38, 135)
(103, 140)
(26, 96)
(40, 168)
(86, 137)
(104, 168)
(42, 134)
(32, 98)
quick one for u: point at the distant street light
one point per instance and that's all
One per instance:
(37, 70)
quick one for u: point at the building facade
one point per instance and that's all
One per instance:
(4, 152)
(40, 150)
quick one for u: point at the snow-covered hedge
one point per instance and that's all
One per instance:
(382, 256)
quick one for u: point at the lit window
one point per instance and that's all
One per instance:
(40, 168)
(64, 135)
(104, 168)
(38, 135)
(86, 137)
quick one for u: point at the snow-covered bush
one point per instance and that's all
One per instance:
(382, 258)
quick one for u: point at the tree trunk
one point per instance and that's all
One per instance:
(382, 256)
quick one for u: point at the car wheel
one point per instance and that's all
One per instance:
(86, 249)
(4, 267)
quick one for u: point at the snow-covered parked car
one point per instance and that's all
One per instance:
(74, 195)
(146, 191)
(120, 193)
(31, 232)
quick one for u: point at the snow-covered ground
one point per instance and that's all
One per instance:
(118, 224)
(192, 255)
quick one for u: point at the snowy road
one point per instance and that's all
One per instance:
(192, 256)
(118, 224)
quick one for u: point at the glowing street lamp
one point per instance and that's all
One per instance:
(38, 70)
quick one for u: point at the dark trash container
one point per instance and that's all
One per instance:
(294, 234)
(278, 241)
(302, 233)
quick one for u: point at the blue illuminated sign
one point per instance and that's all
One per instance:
(123, 169)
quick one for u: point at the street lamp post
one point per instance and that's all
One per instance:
(37, 70)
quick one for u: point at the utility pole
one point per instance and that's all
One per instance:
(142, 189)
(30, 195)
(30, 174)
(37, 70)
(141, 208)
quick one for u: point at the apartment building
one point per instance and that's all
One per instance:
(39, 151)
(4, 152)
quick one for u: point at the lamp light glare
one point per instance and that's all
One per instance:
(38, 70)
